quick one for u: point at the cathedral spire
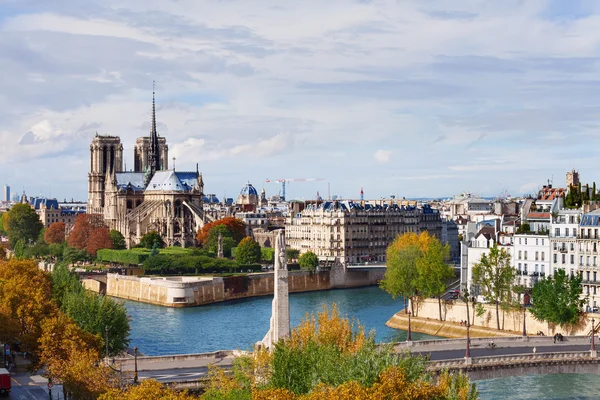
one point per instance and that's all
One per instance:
(153, 152)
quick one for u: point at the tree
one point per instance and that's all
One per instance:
(99, 239)
(2, 230)
(91, 312)
(147, 389)
(236, 227)
(495, 277)
(433, 271)
(152, 239)
(558, 299)
(82, 229)
(308, 261)
(524, 228)
(402, 275)
(248, 251)
(55, 233)
(118, 240)
(292, 254)
(212, 241)
(95, 313)
(71, 356)
(25, 300)
(22, 223)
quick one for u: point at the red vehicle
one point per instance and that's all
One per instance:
(4, 381)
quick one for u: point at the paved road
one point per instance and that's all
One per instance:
(174, 374)
(437, 355)
(23, 388)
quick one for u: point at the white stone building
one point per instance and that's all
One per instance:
(531, 258)
(564, 251)
(350, 232)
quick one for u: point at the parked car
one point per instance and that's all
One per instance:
(4, 380)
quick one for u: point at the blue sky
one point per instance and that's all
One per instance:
(413, 98)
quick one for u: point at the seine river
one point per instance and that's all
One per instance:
(241, 323)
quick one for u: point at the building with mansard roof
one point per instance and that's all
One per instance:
(152, 197)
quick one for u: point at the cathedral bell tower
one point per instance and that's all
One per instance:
(106, 156)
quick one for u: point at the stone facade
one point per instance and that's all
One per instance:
(151, 198)
(347, 232)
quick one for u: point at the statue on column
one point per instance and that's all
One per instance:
(280, 313)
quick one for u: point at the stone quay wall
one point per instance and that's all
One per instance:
(456, 311)
(183, 291)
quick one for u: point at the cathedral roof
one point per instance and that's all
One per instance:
(131, 180)
(188, 178)
(169, 181)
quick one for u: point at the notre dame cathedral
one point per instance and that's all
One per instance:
(152, 197)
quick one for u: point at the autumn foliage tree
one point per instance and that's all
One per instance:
(416, 265)
(85, 225)
(25, 293)
(99, 239)
(55, 233)
(235, 225)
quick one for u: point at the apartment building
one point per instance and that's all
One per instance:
(588, 246)
(349, 232)
(531, 258)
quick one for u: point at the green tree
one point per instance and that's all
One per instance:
(20, 249)
(558, 299)
(2, 230)
(402, 275)
(212, 241)
(308, 261)
(117, 238)
(22, 223)
(292, 254)
(150, 239)
(248, 251)
(94, 313)
(433, 271)
(524, 228)
(495, 277)
(91, 312)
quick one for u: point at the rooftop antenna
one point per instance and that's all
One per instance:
(329, 190)
(174, 164)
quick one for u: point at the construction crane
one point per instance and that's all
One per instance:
(284, 180)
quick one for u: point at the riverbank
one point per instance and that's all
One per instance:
(188, 291)
(483, 321)
(447, 329)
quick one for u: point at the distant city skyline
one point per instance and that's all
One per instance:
(415, 99)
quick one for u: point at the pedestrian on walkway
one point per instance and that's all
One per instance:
(534, 350)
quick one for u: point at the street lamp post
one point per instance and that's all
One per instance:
(135, 373)
(409, 337)
(468, 352)
(524, 316)
(593, 334)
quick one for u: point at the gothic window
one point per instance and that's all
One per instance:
(129, 204)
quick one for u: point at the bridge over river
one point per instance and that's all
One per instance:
(512, 356)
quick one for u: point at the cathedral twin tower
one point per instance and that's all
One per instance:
(151, 197)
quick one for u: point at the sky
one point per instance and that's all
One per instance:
(409, 98)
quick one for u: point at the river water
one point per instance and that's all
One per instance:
(239, 324)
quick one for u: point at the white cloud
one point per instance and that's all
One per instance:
(382, 156)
